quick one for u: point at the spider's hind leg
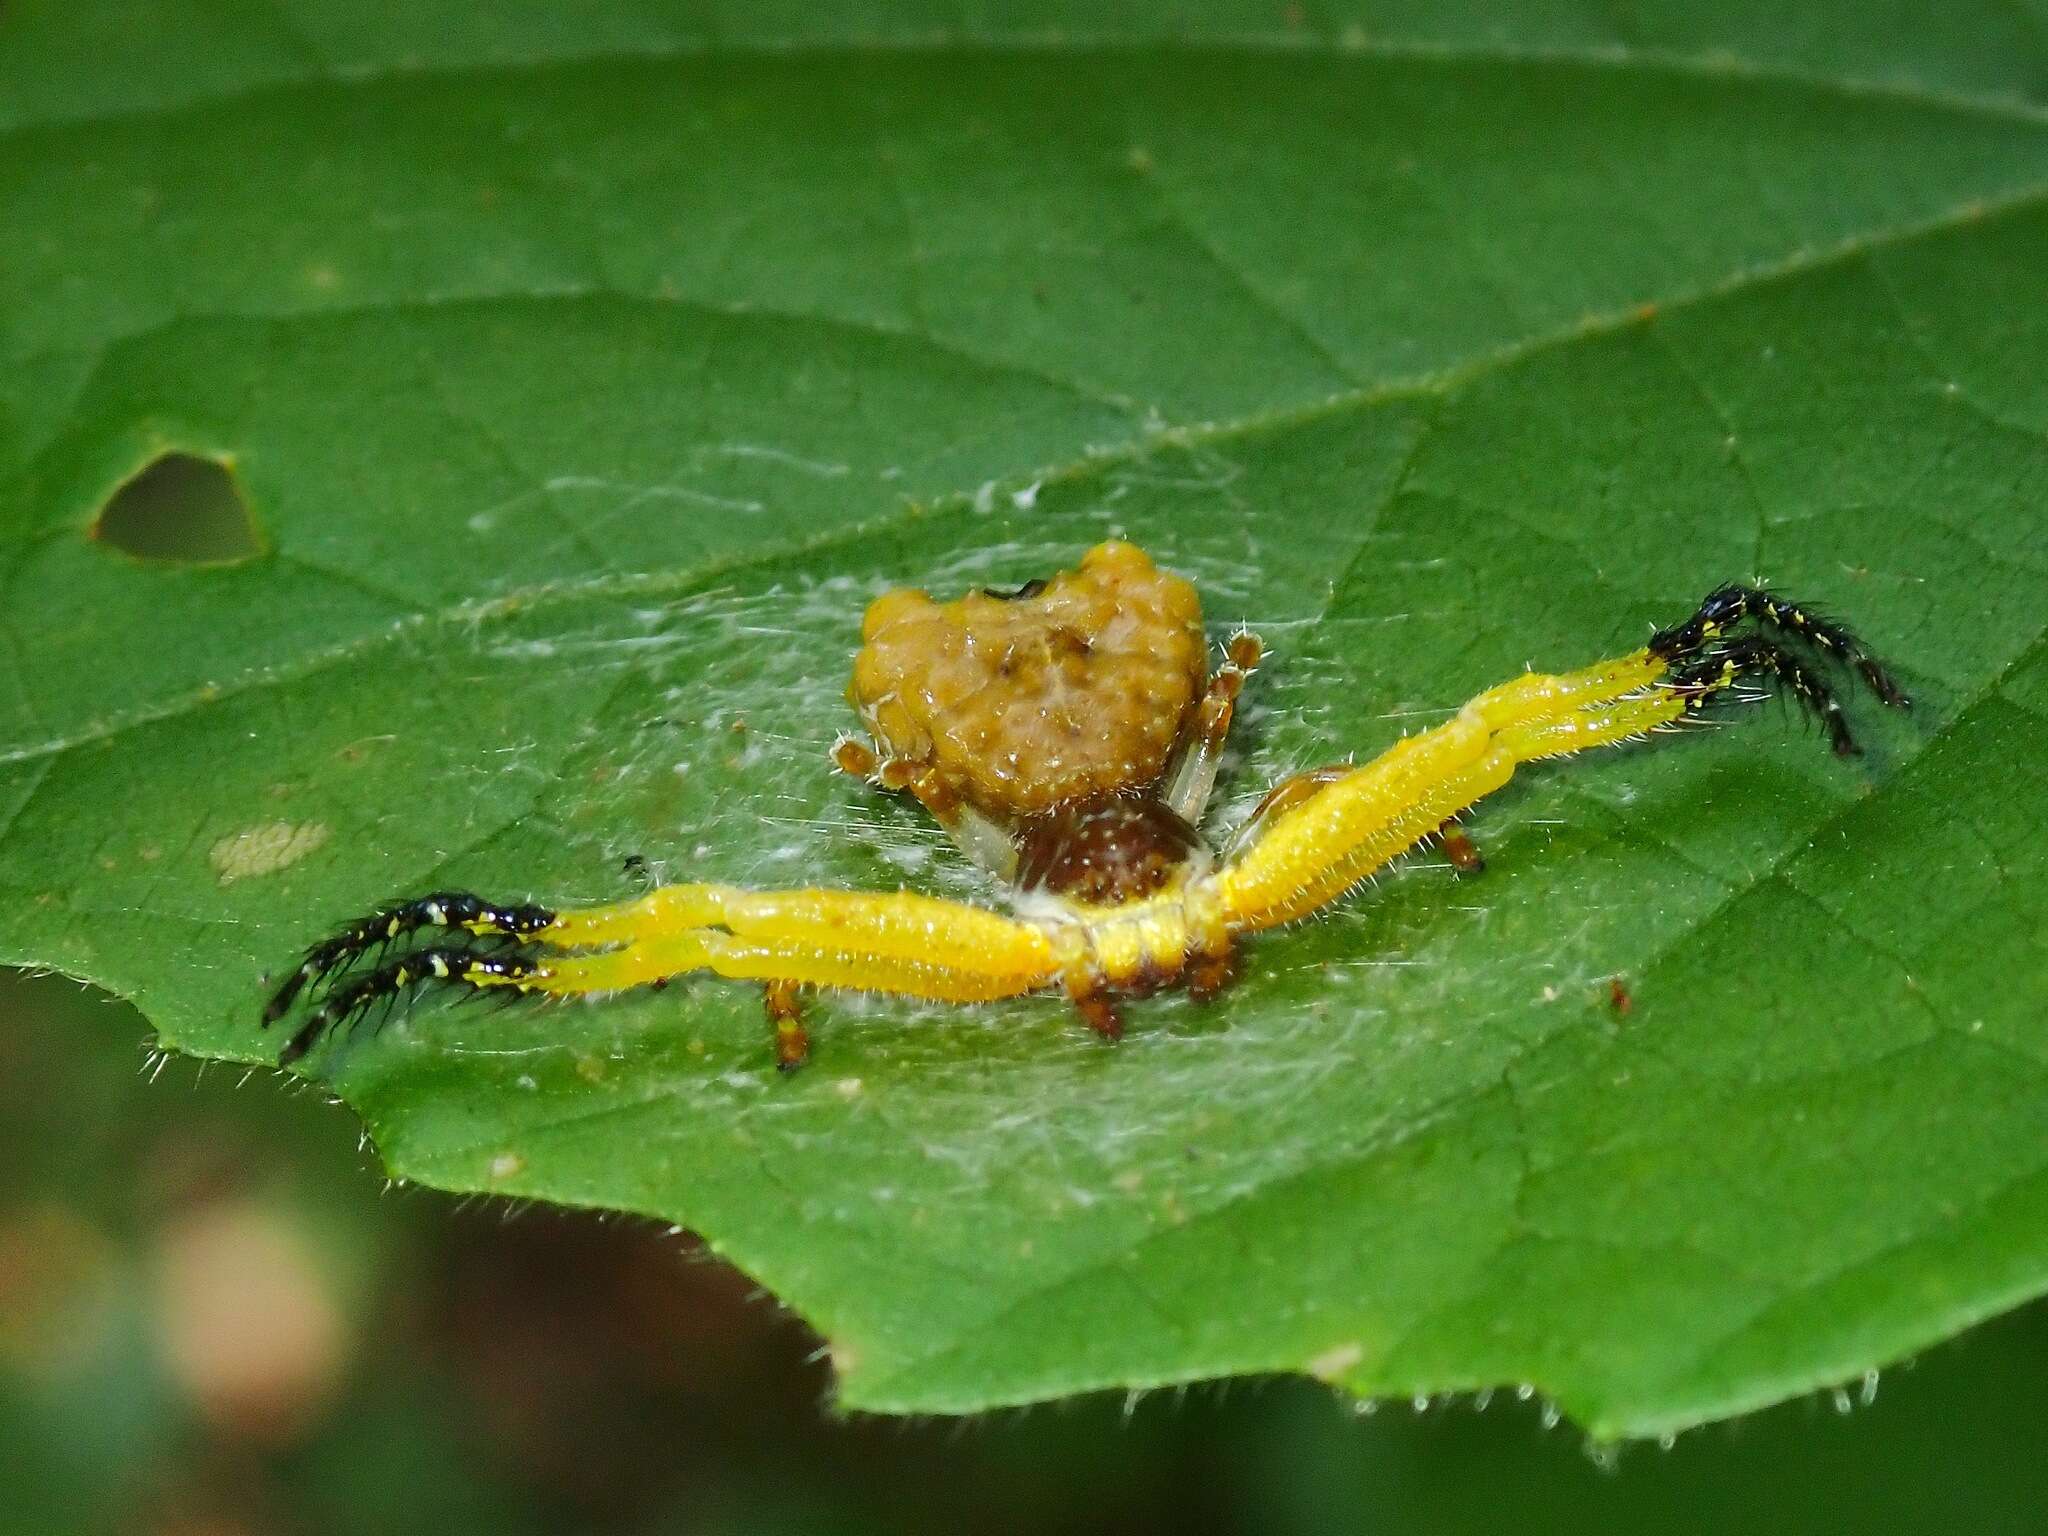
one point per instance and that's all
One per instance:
(1459, 848)
(785, 1016)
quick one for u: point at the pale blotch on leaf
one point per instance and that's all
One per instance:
(506, 1165)
(179, 509)
(265, 848)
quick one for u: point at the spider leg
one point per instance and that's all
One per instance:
(1459, 848)
(1701, 678)
(349, 1003)
(1193, 775)
(792, 1040)
(974, 834)
(874, 941)
(1095, 1001)
(1311, 853)
(883, 942)
(1727, 606)
(366, 935)
(1691, 684)
(1211, 967)
(1318, 834)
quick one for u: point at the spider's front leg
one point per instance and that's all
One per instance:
(366, 935)
(1316, 836)
(895, 942)
(973, 833)
(1193, 774)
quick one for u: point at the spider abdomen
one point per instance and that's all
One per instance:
(1019, 702)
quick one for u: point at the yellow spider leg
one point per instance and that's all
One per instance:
(1597, 725)
(1541, 696)
(873, 941)
(877, 942)
(1317, 845)
(881, 942)
(1309, 856)
(614, 970)
(799, 962)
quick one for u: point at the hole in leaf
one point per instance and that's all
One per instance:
(180, 507)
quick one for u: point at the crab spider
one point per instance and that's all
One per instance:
(1066, 734)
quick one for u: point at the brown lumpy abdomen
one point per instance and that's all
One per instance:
(1104, 851)
(1030, 700)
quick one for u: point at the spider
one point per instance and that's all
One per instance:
(1066, 735)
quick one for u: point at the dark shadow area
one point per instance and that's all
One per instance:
(182, 508)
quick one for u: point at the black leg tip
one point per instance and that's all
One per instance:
(282, 999)
(1882, 683)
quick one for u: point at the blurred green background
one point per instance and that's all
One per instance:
(215, 1317)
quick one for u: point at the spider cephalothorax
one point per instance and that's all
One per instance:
(1066, 734)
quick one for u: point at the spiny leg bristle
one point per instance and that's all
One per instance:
(347, 1005)
(1721, 669)
(491, 930)
(372, 934)
(1704, 656)
(1726, 606)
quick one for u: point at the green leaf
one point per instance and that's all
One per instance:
(582, 388)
